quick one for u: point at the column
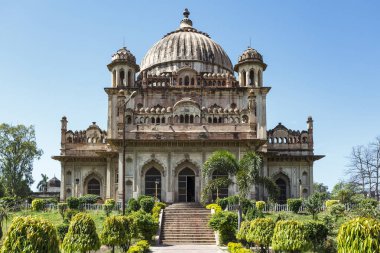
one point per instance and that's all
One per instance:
(120, 184)
(169, 180)
(63, 182)
(108, 179)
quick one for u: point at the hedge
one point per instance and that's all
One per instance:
(294, 205)
(147, 204)
(38, 204)
(225, 223)
(261, 232)
(115, 232)
(289, 235)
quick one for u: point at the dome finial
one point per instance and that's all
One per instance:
(186, 22)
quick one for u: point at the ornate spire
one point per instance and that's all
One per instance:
(186, 22)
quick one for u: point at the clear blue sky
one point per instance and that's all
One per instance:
(322, 56)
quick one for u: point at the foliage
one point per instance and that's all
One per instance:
(369, 202)
(337, 210)
(89, 199)
(147, 204)
(108, 209)
(82, 236)
(222, 202)
(143, 197)
(27, 234)
(135, 249)
(331, 202)
(18, 149)
(215, 207)
(110, 202)
(261, 232)
(38, 205)
(359, 235)
(243, 231)
(225, 223)
(144, 244)
(314, 204)
(43, 184)
(368, 208)
(294, 205)
(157, 209)
(69, 214)
(133, 205)
(73, 203)
(289, 235)
(316, 233)
(62, 207)
(260, 205)
(344, 192)
(144, 226)
(10, 202)
(234, 246)
(115, 231)
(62, 230)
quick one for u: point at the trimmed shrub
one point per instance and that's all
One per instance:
(316, 233)
(135, 249)
(261, 232)
(89, 199)
(147, 204)
(108, 209)
(157, 209)
(115, 232)
(38, 205)
(144, 226)
(49, 201)
(133, 205)
(243, 231)
(331, 202)
(73, 203)
(289, 235)
(294, 205)
(82, 235)
(62, 207)
(29, 234)
(337, 210)
(260, 205)
(216, 207)
(225, 223)
(233, 246)
(69, 214)
(110, 202)
(359, 235)
(144, 244)
(368, 202)
(62, 230)
(314, 204)
(143, 197)
(223, 203)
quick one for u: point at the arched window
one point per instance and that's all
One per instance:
(187, 80)
(122, 77)
(251, 77)
(129, 120)
(129, 78)
(260, 76)
(68, 176)
(198, 81)
(181, 119)
(153, 120)
(191, 119)
(209, 120)
(220, 120)
(215, 120)
(209, 83)
(158, 120)
(219, 83)
(153, 180)
(186, 185)
(93, 187)
(187, 118)
(283, 191)
(163, 120)
(192, 81)
(180, 81)
(304, 178)
(244, 78)
(222, 192)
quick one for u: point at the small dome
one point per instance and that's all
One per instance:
(54, 182)
(250, 55)
(123, 55)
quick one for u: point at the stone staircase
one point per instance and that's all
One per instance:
(186, 223)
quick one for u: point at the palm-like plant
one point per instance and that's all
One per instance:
(42, 185)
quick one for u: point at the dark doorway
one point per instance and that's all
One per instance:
(282, 186)
(186, 186)
(153, 181)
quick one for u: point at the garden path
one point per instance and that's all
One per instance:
(187, 249)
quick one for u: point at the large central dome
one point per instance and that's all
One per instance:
(186, 47)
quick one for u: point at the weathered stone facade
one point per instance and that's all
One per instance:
(188, 104)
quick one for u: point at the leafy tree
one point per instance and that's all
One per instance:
(115, 232)
(43, 184)
(29, 234)
(345, 192)
(294, 204)
(314, 203)
(82, 236)
(18, 149)
(261, 232)
(289, 236)
(143, 225)
(225, 223)
(321, 188)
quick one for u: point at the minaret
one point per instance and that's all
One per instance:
(123, 68)
(310, 131)
(250, 68)
(63, 130)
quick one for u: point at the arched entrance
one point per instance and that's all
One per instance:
(222, 192)
(283, 190)
(93, 187)
(153, 183)
(186, 185)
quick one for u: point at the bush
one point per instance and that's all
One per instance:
(73, 203)
(115, 232)
(62, 230)
(260, 205)
(69, 214)
(89, 199)
(144, 226)
(316, 233)
(62, 207)
(233, 246)
(359, 235)
(157, 209)
(144, 244)
(82, 235)
(261, 232)
(225, 223)
(368, 202)
(331, 202)
(108, 209)
(337, 210)
(110, 202)
(29, 234)
(10, 202)
(51, 201)
(38, 205)
(243, 231)
(215, 207)
(135, 249)
(223, 203)
(147, 204)
(143, 197)
(368, 208)
(289, 235)
(314, 203)
(294, 205)
(133, 205)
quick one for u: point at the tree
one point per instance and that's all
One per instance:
(116, 232)
(314, 203)
(345, 192)
(18, 149)
(42, 185)
(320, 187)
